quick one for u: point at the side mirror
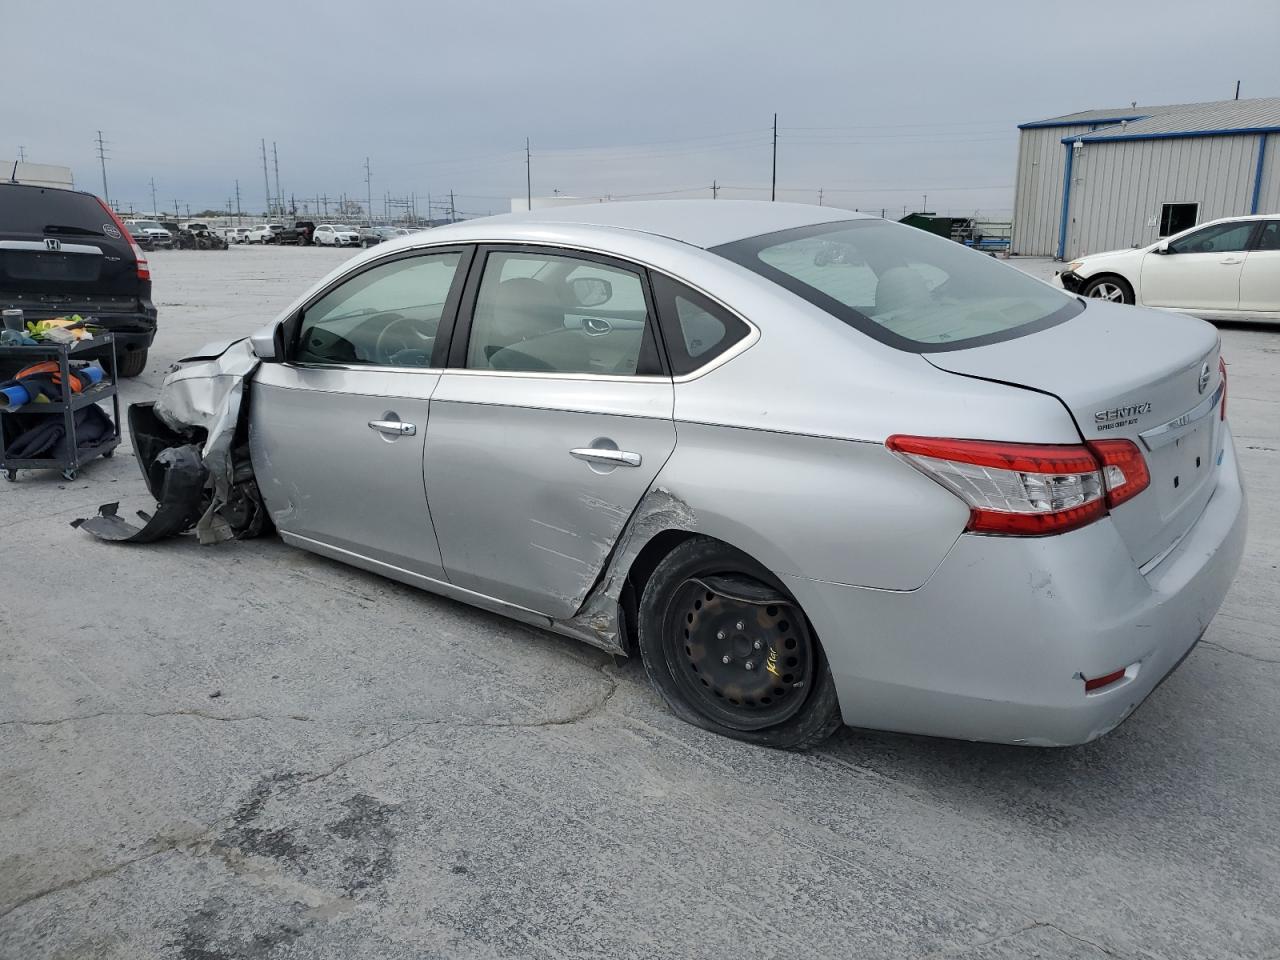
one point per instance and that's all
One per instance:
(591, 291)
(1162, 246)
(264, 344)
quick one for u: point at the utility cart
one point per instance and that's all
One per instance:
(73, 454)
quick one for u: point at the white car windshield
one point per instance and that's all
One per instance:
(903, 286)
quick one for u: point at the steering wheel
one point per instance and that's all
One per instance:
(403, 334)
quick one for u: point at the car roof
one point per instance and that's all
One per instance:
(702, 223)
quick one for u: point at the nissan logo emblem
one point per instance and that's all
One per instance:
(1204, 376)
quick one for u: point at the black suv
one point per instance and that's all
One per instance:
(65, 252)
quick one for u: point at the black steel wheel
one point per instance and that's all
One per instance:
(730, 650)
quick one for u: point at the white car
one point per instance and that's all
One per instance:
(150, 231)
(335, 235)
(265, 233)
(236, 234)
(1226, 269)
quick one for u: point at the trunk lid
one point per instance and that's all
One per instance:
(1127, 373)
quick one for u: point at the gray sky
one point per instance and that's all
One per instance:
(878, 103)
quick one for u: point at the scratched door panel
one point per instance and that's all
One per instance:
(517, 515)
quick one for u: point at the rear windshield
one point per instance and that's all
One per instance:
(40, 211)
(903, 286)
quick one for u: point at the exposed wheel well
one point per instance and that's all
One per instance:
(642, 568)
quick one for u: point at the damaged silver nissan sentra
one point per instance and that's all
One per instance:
(811, 467)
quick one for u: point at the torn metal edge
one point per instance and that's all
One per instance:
(599, 619)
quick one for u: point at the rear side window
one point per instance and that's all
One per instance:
(47, 212)
(904, 287)
(696, 329)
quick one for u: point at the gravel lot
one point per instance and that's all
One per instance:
(248, 751)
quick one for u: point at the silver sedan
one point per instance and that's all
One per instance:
(811, 467)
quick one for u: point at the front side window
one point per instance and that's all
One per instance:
(387, 315)
(1219, 238)
(548, 313)
(903, 286)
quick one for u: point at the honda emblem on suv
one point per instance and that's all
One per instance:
(51, 244)
(1204, 376)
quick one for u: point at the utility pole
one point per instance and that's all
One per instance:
(102, 159)
(266, 180)
(324, 199)
(1237, 89)
(528, 176)
(715, 190)
(153, 194)
(773, 189)
(275, 158)
(368, 184)
(22, 154)
(237, 203)
(820, 198)
(453, 214)
(925, 208)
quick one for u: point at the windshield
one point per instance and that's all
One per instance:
(344, 229)
(147, 225)
(903, 286)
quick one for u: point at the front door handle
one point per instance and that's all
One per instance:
(614, 458)
(394, 428)
(1232, 261)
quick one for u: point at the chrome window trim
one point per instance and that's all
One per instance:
(371, 368)
(543, 375)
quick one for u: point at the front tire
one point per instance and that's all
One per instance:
(1109, 287)
(731, 651)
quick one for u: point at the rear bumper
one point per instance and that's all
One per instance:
(133, 331)
(997, 644)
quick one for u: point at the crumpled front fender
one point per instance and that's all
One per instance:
(211, 484)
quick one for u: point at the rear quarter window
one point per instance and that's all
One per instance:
(696, 329)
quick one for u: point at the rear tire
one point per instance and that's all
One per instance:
(730, 650)
(132, 363)
(1109, 287)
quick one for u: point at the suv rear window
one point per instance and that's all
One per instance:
(46, 211)
(903, 286)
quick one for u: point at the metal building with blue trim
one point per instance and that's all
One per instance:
(1107, 179)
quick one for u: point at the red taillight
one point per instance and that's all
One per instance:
(1097, 683)
(144, 270)
(1124, 470)
(1222, 373)
(1016, 489)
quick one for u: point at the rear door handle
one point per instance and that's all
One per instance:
(614, 458)
(394, 428)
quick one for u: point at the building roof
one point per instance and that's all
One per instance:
(1197, 119)
(1112, 115)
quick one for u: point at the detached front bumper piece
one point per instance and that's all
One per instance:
(192, 449)
(1071, 282)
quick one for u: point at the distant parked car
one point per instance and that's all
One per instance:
(1226, 269)
(392, 233)
(265, 233)
(198, 235)
(236, 234)
(336, 235)
(149, 234)
(305, 230)
(369, 236)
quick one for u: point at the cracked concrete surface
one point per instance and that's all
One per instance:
(249, 752)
